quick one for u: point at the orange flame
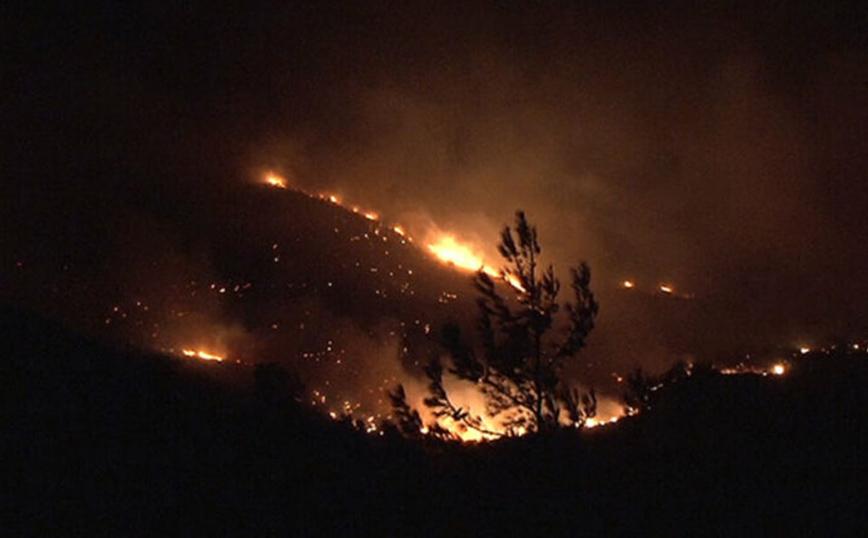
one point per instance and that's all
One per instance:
(448, 250)
(202, 355)
(275, 181)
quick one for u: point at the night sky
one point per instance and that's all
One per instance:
(718, 147)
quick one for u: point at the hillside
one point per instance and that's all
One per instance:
(253, 273)
(107, 442)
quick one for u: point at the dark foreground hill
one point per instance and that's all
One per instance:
(98, 441)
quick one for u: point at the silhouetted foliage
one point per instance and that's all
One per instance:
(114, 442)
(521, 361)
(274, 384)
(644, 390)
(408, 420)
(678, 372)
(637, 395)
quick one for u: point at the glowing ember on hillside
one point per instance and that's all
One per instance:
(665, 288)
(777, 369)
(275, 181)
(595, 422)
(628, 284)
(202, 355)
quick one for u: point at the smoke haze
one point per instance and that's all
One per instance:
(720, 149)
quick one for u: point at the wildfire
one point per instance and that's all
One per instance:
(275, 181)
(777, 369)
(448, 250)
(594, 422)
(609, 411)
(662, 288)
(202, 355)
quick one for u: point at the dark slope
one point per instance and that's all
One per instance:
(98, 442)
(284, 245)
(108, 443)
(262, 275)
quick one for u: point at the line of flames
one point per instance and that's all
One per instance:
(462, 256)
(445, 248)
(202, 355)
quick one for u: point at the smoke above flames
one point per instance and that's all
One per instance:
(712, 158)
(682, 148)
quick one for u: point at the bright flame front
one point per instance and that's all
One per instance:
(448, 250)
(202, 355)
(275, 181)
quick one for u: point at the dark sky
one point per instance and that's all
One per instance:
(720, 147)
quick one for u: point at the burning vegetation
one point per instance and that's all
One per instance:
(204, 355)
(353, 302)
(518, 370)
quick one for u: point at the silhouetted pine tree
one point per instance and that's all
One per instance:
(520, 363)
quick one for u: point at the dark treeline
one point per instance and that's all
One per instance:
(99, 441)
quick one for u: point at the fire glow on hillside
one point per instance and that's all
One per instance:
(340, 391)
(275, 181)
(204, 355)
(439, 245)
(443, 246)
